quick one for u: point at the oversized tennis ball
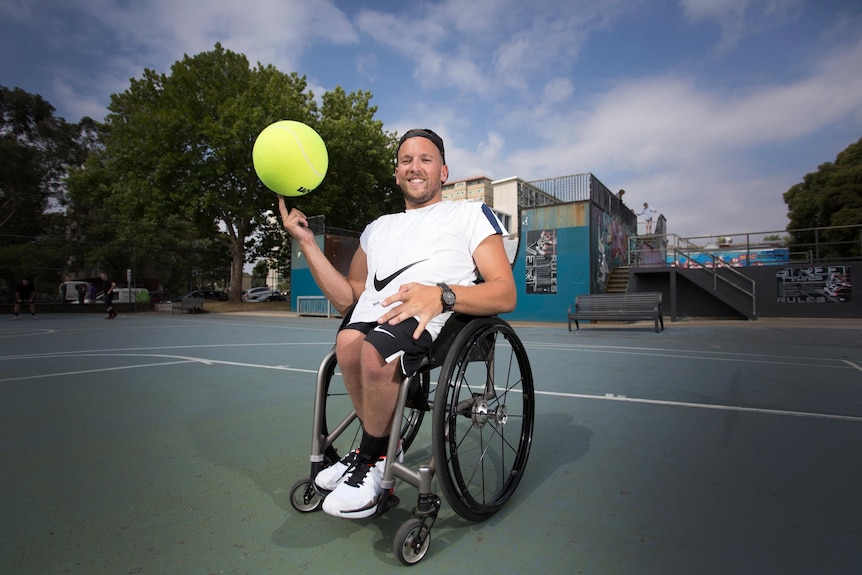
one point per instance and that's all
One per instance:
(290, 158)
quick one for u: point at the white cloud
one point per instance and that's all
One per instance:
(689, 150)
(739, 18)
(557, 90)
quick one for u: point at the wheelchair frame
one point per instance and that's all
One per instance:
(470, 397)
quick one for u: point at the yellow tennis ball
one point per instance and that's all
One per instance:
(290, 158)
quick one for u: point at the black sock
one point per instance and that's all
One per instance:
(372, 448)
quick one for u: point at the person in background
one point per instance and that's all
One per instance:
(25, 292)
(649, 214)
(108, 287)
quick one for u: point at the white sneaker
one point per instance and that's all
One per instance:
(329, 478)
(357, 497)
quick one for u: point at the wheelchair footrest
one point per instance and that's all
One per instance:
(387, 502)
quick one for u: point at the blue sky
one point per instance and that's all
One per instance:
(707, 109)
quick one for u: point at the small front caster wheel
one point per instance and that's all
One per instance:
(304, 497)
(411, 542)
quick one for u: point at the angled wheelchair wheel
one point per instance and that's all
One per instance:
(304, 497)
(483, 418)
(339, 416)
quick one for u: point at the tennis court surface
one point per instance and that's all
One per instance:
(160, 444)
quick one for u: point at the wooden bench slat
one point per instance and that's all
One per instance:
(617, 307)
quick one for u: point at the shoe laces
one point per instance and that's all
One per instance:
(360, 470)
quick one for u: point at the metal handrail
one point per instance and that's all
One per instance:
(684, 248)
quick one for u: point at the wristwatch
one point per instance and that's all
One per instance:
(447, 297)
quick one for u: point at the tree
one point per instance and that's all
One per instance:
(36, 151)
(179, 145)
(831, 197)
(259, 274)
(359, 185)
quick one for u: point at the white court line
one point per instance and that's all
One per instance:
(611, 397)
(152, 348)
(25, 332)
(179, 360)
(607, 397)
(92, 371)
(853, 365)
(701, 355)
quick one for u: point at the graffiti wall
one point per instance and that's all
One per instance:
(610, 248)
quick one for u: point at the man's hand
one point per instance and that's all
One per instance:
(294, 222)
(419, 300)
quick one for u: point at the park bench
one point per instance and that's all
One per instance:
(190, 304)
(617, 307)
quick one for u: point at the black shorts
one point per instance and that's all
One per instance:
(395, 342)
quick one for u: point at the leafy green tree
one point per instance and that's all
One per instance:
(177, 160)
(831, 197)
(177, 151)
(37, 149)
(359, 185)
(259, 274)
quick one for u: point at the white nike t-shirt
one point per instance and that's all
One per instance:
(427, 245)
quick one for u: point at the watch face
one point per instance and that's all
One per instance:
(449, 298)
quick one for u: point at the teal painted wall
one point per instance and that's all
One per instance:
(572, 256)
(301, 282)
(580, 245)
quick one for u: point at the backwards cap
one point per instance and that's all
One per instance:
(423, 133)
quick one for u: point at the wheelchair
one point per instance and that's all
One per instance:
(482, 408)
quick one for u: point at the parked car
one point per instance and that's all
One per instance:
(69, 291)
(217, 295)
(249, 293)
(266, 296)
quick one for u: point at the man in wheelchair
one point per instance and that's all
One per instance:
(411, 271)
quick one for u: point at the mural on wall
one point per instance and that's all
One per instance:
(814, 284)
(610, 252)
(541, 252)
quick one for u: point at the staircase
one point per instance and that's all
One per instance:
(618, 280)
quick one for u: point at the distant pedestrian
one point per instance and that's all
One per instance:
(649, 214)
(82, 292)
(25, 292)
(108, 287)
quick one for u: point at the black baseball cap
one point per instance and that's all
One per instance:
(423, 133)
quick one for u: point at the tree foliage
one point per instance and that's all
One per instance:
(36, 151)
(829, 197)
(177, 155)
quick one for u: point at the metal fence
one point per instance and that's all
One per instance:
(315, 305)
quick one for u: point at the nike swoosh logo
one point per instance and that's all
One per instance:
(381, 330)
(380, 284)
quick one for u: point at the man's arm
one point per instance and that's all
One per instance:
(496, 294)
(341, 291)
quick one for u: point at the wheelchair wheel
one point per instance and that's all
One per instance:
(411, 542)
(304, 497)
(483, 418)
(338, 408)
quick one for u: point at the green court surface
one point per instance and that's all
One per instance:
(162, 444)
